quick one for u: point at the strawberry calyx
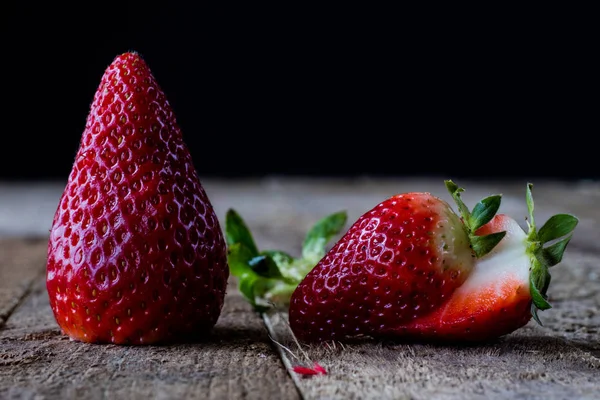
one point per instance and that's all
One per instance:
(545, 248)
(268, 278)
(482, 213)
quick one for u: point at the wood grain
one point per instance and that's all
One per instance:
(238, 360)
(21, 261)
(560, 360)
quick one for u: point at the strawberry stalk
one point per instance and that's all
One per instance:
(269, 277)
(545, 248)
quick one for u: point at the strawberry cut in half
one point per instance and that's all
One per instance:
(411, 268)
(136, 254)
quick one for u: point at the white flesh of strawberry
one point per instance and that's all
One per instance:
(453, 243)
(508, 261)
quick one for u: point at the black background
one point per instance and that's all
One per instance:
(313, 91)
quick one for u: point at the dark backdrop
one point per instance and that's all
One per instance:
(313, 91)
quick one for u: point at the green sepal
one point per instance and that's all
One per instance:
(558, 229)
(238, 257)
(553, 254)
(281, 292)
(252, 288)
(290, 269)
(316, 239)
(530, 207)
(534, 314)
(263, 265)
(484, 211)
(236, 231)
(557, 226)
(546, 285)
(269, 277)
(455, 192)
(246, 287)
(482, 245)
(280, 257)
(539, 299)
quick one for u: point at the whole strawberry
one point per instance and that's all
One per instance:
(412, 268)
(136, 254)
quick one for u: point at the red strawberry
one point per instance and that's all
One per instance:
(412, 268)
(136, 254)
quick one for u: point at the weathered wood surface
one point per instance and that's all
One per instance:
(560, 360)
(236, 362)
(21, 261)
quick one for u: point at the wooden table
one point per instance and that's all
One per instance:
(244, 357)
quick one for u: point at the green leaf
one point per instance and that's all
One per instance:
(553, 254)
(263, 265)
(482, 245)
(455, 191)
(253, 288)
(539, 300)
(534, 314)
(484, 211)
(540, 277)
(287, 265)
(236, 231)
(558, 229)
(557, 226)
(546, 283)
(261, 287)
(320, 234)
(452, 187)
(246, 286)
(529, 201)
(281, 292)
(281, 258)
(238, 257)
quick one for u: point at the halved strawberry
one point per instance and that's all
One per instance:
(397, 263)
(411, 268)
(506, 288)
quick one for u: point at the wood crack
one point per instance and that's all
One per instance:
(282, 352)
(5, 316)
